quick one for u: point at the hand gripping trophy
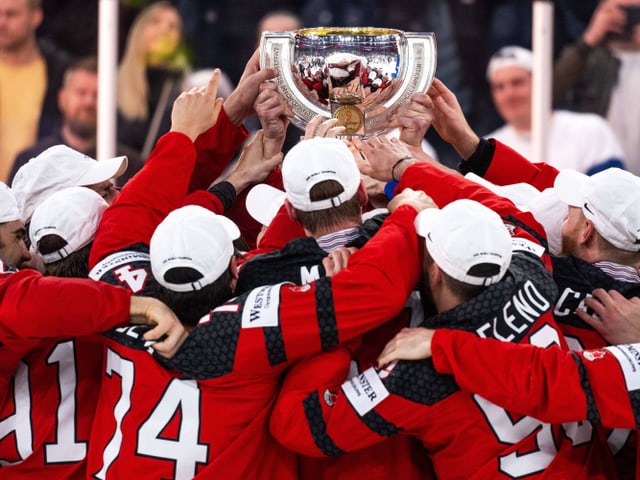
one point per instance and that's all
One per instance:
(357, 75)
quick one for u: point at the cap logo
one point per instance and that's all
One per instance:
(333, 172)
(586, 207)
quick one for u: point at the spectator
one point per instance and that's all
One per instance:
(150, 76)
(77, 100)
(26, 65)
(583, 142)
(600, 72)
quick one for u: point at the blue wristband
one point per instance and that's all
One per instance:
(389, 188)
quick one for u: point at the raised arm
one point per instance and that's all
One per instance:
(161, 185)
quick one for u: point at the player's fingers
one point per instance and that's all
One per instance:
(171, 344)
(323, 128)
(212, 84)
(591, 320)
(617, 297)
(333, 132)
(386, 356)
(312, 126)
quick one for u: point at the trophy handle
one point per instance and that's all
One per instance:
(417, 71)
(276, 51)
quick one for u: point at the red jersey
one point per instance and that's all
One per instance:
(411, 397)
(175, 167)
(159, 424)
(602, 386)
(576, 278)
(48, 383)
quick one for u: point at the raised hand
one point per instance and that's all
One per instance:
(378, 156)
(449, 120)
(319, 126)
(274, 112)
(239, 105)
(254, 165)
(197, 110)
(413, 119)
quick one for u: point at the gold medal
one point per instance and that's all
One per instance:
(350, 117)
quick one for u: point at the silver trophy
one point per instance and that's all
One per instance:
(358, 75)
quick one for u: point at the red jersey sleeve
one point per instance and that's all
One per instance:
(321, 411)
(508, 167)
(553, 385)
(271, 326)
(33, 306)
(215, 149)
(446, 186)
(205, 199)
(158, 188)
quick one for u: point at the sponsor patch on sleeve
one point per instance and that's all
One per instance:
(365, 391)
(524, 245)
(628, 357)
(262, 307)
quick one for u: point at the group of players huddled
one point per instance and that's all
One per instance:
(352, 309)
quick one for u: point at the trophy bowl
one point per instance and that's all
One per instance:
(359, 75)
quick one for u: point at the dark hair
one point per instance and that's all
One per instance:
(191, 306)
(321, 219)
(462, 291)
(74, 265)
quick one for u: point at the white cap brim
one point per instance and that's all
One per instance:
(9, 211)
(104, 170)
(569, 185)
(263, 202)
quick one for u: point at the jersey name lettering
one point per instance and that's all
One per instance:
(308, 275)
(524, 308)
(569, 301)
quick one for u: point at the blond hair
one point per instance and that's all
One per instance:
(132, 85)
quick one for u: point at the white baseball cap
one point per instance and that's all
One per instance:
(549, 211)
(313, 161)
(510, 56)
(263, 202)
(56, 168)
(194, 238)
(519, 193)
(610, 199)
(467, 240)
(547, 208)
(73, 214)
(8, 206)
